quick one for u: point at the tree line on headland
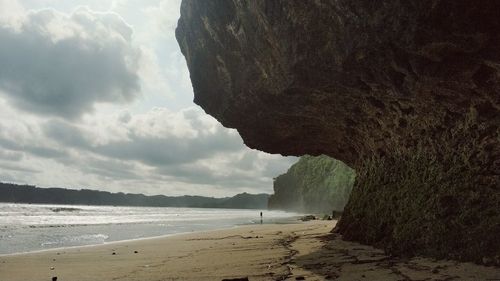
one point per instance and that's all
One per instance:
(312, 185)
(13, 193)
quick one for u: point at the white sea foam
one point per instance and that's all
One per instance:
(30, 227)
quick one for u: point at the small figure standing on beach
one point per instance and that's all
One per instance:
(260, 217)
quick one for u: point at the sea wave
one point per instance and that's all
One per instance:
(97, 238)
(86, 224)
(31, 227)
(62, 209)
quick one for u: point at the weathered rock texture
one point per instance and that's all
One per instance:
(405, 92)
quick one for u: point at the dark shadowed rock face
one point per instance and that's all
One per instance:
(406, 92)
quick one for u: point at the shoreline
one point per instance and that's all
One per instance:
(44, 229)
(110, 242)
(258, 252)
(291, 220)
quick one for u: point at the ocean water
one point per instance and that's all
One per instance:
(33, 227)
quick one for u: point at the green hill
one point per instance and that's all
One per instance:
(13, 193)
(314, 184)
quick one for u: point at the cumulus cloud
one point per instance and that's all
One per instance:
(157, 138)
(17, 168)
(18, 138)
(110, 169)
(11, 13)
(160, 151)
(62, 65)
(186, 146)
(70, 69)
(12, 156)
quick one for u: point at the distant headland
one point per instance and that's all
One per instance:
(13, 193)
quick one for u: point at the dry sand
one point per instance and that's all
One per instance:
(305, 251)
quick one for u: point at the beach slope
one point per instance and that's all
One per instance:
(306, 251)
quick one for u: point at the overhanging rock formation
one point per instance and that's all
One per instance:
(405, 92)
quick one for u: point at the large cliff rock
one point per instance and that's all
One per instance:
(317, 184)
(405, 92)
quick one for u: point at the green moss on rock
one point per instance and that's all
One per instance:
(428, 202)
(314, 184)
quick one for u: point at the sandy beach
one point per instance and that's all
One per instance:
(302, 251)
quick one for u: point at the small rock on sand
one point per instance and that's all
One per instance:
(308, 218)
(487, 261)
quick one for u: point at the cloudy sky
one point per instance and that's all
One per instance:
(96, 94)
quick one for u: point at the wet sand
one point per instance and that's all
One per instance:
(305, 251)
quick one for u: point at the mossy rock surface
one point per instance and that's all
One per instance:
(428, 202)
(318, 185)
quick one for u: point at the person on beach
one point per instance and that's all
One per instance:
(260, 217)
